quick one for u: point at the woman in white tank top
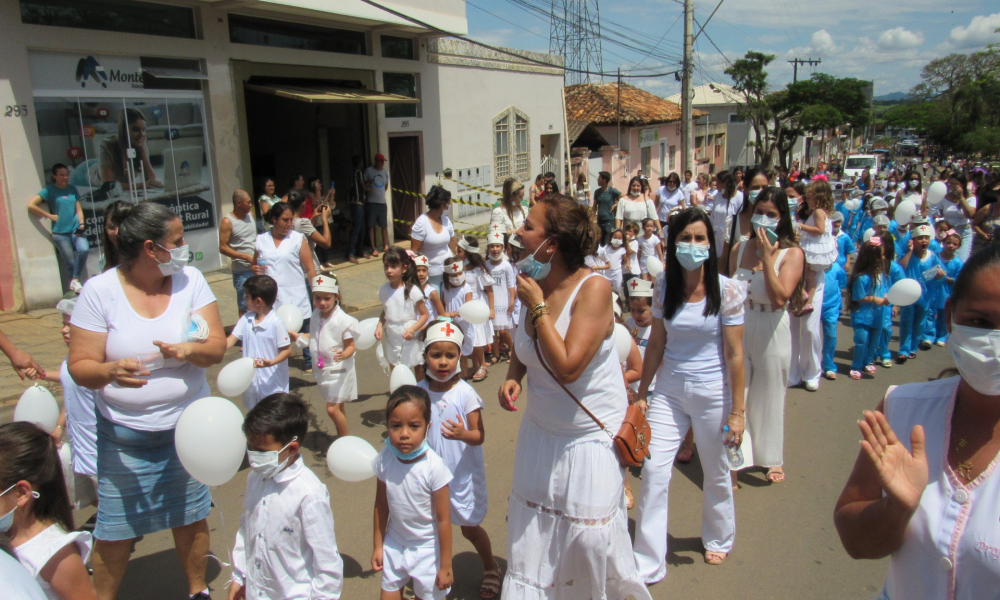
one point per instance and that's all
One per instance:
(929, 501)
(566, 525)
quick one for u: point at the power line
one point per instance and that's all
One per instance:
(496, 16)
(716, 9)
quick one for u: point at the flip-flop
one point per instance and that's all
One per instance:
(490, 588)
(480, 375)
(685, 455)
(775, 476)
(375, 253)
(629, 499)
(715, 558)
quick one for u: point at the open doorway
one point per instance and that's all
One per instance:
(405, 174)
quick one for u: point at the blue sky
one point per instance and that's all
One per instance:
(887, 42)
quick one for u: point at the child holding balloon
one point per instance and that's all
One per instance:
(921, 265)
(415, 544)
(456, 293)
(403, 310)
(951, 265)
(480, 282)
(895, 273)
(456, 434)
(868, 285)
(287, 517)
(331, 341)
(265, 338)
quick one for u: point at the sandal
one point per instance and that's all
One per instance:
(480, 375)
(629, 499)
(855, 374)
(870, 369)
(913, 354)
(775, 476)
(685, 455)
(887, 364)
(714, 558)
(831, 375)
(375, 253)
(353, 260)
(490, 588)
(505, 356)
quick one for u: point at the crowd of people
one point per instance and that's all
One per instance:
(730, 287)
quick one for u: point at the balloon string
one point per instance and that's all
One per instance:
(222, 564)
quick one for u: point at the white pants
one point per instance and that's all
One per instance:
(807, 337)
(704, 407)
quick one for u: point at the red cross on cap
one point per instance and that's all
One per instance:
(319, 281)
(496, 226)
(455, 267)
(634, 284)
(447, 329)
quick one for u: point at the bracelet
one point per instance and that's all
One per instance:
(541, 313)
(538, 307)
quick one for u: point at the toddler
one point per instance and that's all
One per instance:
(331, 340)
(816, 235)
(265, 338)
(403, 310)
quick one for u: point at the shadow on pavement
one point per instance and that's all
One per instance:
(676, 545)
(169, 583)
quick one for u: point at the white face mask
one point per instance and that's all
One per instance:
(457, 280)
(265, 462)
(179, 258)
(616, 242)
(671, 188)
(976, 353)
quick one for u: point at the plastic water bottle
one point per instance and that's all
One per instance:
(733, 453)
(262, 263)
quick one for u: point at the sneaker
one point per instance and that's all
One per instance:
(812, 386)
(75, 286)
(940, 343)
(925, 345)
(831, 375)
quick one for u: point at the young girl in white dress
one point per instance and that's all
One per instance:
(403, 310)
(456, 293)
(480, 282)
(332, 333)
(631, 268)
(615, 253)
(649, 246)
(456, 434)
(36, 515)
(504, 293)
(432, 299)
(816, 235)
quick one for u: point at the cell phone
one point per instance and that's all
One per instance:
(333, 185)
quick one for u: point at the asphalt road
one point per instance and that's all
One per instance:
(786, 545)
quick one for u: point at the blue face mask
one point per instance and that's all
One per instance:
(7, 520)
(533, 268)
(767, 224)
(691, 256)
(752, 195)
(420, 451)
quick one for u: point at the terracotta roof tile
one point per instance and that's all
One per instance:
(597, 103)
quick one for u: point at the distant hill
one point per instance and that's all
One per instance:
(893, 97)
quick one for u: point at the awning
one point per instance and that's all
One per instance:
(331, 95)
(169, 73)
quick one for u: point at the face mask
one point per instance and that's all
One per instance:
(691, 255)
(408, 456)
(633, 194)
(533, 268)
(671, 188)
(444, 211)
(767, 224)
(457, 280)
(752, 195)
(7, 521)
(178, 260)
(616, 243)
(836, 231)
(496, 255)
(793, 203)
(265, 462)
(451, 374)
(977, 356)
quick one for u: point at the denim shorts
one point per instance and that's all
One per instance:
(239, 278)
(142, 486)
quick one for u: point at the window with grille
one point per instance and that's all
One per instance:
(511, 145)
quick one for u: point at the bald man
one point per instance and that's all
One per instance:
(237, 233)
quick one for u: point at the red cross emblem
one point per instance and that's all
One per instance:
(634, 284)
(455, 267)
(496, 226)
(448, 330)
(319, 281)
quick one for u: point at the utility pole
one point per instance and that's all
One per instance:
(618, 142)
(687, 127)
(802, 61)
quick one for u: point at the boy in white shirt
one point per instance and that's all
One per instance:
(286, 546)
(265, 338)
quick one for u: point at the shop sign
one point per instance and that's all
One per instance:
(648, 137)
(195, 213)
(84, 71)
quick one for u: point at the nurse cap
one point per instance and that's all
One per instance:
(421, 261)
(66, 306)
(326, 284)
(640, 288)
(494, 237)
(455, 268)
(443, 331)
(515, 241)
(881, 220)
(923, 230)
(879, 204)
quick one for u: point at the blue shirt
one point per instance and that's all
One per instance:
(951, 269)
(896, 273)
(915, 270)
(845, 247)
(867, 314)
(62, 203)
(836, 280)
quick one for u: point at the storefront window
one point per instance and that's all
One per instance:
(282, 34)
(125, 16)
(397, 47)
(401, 84)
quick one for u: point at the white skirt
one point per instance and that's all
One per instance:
(567, 535)
(819, 252)
(482, 334)
(502, 320)
(399, 351)
(337, 386)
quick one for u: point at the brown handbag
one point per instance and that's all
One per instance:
(631, 443)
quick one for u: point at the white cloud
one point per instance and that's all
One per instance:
(822, 42)
(900, 38)
(979, 32)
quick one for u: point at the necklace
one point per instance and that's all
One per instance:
(964, 469)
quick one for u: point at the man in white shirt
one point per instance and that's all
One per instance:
(376, 184)
(286, 546)
(688, 186)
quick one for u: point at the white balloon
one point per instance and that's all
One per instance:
(905, 212)
(475, 312)
(401, 375)
(868, 234)
(654, 266)
(623, 342)
(291, 316)
(855, 204)
(37, 405)
(904, 292)
(350, 458)
(366, 339)
(209, 440)
(936, 193)
(236, 377)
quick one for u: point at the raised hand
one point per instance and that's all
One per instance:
(903, 475)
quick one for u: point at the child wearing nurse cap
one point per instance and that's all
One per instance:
(504, 293)
(331, 340)
(923, 266)
(456, 434)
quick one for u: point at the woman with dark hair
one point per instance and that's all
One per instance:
(695, 355)
(317, 238)
(928, 501)
(433, 234)
(912, 190)
(298, 182)
(314, 187)
(266, 200)
(959, 208)
(134, 173)
(635, 206)
(567, 534)
(771, 263)
(754, 180)
(670, 196)
(551, 188)
(113, 215)
(727, 204)
(284, 254)
(143, 309)
(510, 211)
(68, 225)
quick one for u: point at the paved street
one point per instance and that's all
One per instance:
(786, 545)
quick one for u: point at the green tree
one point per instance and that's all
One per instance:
(750, 80)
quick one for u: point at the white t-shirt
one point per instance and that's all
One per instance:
(722, 217)
(641, 337)
(379, 180)
(669, 201)
(399, 309)
(633, 260)
(464, 461)
(503, 279)
(478, 280)
(688, 189)
(635, 210)
(694, 346)
(953, 213)
(103, 308)
(614, 256)
(263, 340)
(435, 245)
(36, 553)
(648, 247)
(81, 422)
(408, 488)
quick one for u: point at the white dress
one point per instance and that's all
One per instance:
(283, 264)
(337, 382)
(767, 347)
(566, 528)
(478, 280)
(39, 550)
(454, 298)
(821, 250)
(503, 280)
(400, 314)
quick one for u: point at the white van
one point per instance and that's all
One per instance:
(857, 163)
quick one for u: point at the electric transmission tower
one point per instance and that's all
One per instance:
(575, 34)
